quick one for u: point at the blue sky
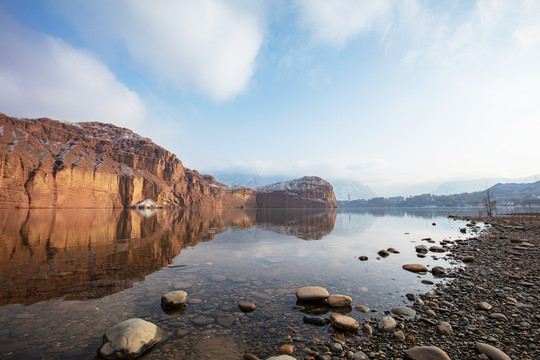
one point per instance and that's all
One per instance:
(400, 95)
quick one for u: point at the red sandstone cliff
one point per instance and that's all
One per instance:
(47, 163)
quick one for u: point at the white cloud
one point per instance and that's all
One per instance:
(338, 21)
(207, 46)
(41, 75)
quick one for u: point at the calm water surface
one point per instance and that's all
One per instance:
(66, 276)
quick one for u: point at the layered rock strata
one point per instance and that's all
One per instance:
(47, 163)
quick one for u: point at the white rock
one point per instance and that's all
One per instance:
(129, 339)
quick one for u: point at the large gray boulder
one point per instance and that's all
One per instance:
(129, 339)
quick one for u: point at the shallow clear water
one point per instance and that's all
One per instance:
(68, 275)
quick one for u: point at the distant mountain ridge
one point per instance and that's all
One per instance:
(343, 189)
(527, 194)
(468, 186)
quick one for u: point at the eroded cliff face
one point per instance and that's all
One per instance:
(306, 192)
(47, 163)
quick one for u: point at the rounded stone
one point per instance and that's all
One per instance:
(492, 352)
(386, 324)
(404, 311)
(367, 330)
(281, 357)
(415, 268)
(439, 271)
(339, 300)
(467, 259)
(173, 300)
(426, 353)
(129, 339)
(362, 308)
(444, 328)
(312, 293)
(362, 258)
(286, 349)
(484, 305)
(246, 306)
(435, 248)
(344, 322)
(383, 253)
(249, 356)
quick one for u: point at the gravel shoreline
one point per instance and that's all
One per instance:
(492, 300)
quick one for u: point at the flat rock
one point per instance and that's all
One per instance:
(426, 353)
(498, 316)
(129, 339)
(316, 320)
(173, 299)
(386, 324)
(415, 268)
(392, 250)
(362, 308)
(203, 320)
(344, 322)
(225, 320)
(492, 352)
(404, 311)
(436, 248)
(312, 293)
(281, 357)
(421, 248)
(339, 300)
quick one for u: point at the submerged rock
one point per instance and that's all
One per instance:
(130, 339)
(339, 300)
(246, 306)
(316, 320)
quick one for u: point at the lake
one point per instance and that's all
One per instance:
(69, 275)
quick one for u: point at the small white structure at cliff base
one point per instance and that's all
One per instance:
(148, 204)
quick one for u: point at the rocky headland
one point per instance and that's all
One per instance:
(47, 163)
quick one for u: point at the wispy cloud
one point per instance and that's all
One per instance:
(206, 47)
(41, 75)
(338, 21)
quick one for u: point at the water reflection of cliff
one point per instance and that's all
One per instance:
(307, 224)
(80, 254)
(87, 254)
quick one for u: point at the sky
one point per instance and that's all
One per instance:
(399, 95)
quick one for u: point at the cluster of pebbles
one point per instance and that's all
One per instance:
(486, 310)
